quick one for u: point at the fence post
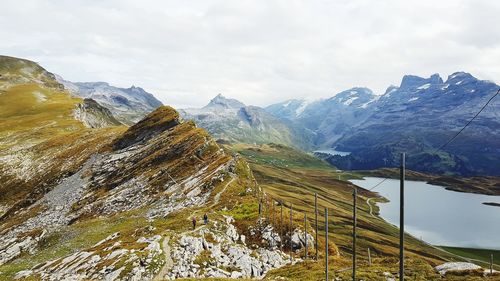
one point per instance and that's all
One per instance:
(281, 224)
(491, 264)
(274, 213)
(326, 244)
(291, 230)
(402, 218)
(260, 207)
(268, 211)
(354, 196)
(305, 235)
(316, 219)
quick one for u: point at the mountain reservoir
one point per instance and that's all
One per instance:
(440, 216)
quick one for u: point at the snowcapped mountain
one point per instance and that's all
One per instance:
(221, 102)
(231, 120)
(289, 109)
(415, 117)
(128, 105)
(421, 115)
(327, 118)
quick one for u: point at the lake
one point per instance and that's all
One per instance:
(332, 151)
(440, 216)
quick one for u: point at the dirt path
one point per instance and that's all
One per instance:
(371, 208)
(168, 260)
(217, 196)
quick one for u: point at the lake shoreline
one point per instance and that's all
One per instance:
(438, 215)
(487, 185)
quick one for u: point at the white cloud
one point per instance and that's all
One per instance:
(260, 52)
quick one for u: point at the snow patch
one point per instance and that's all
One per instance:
(365, 105)
(349, 101)
(424, 87)
(301, 108)
(412, 99)
(459, 82)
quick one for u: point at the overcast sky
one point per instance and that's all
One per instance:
(260, 52)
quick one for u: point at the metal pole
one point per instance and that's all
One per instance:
(281, 224)
(291, 228)
(305, 235)
(326, 244)
(402, 218)
(316, 219)
(354, 221)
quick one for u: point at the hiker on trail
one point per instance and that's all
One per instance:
(205, 218)
(194, 223)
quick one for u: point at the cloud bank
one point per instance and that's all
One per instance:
(260, 52)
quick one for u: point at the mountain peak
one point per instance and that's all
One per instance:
(413, 81)
(161, 119)
(356, 96)
(460, 75)
(222, 102)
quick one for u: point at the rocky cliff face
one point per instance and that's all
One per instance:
(93, 115)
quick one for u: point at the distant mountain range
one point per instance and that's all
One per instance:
(233, 121)
(417, 117)
(128, 105)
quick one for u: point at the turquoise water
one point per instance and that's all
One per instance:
(440, 216)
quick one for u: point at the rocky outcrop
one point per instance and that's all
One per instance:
(220, 252)
(299, 240)
(456, 267)
(93, 115)
(106, 260)
(13, 247)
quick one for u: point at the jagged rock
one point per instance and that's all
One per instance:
(93, 115)
(14, 247)
(298, 240)
(224, 252)
(83, 265)
(272, 238)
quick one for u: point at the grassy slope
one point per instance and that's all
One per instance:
(476, 254)
(39, 136)
(293, 176)
(34, 113)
